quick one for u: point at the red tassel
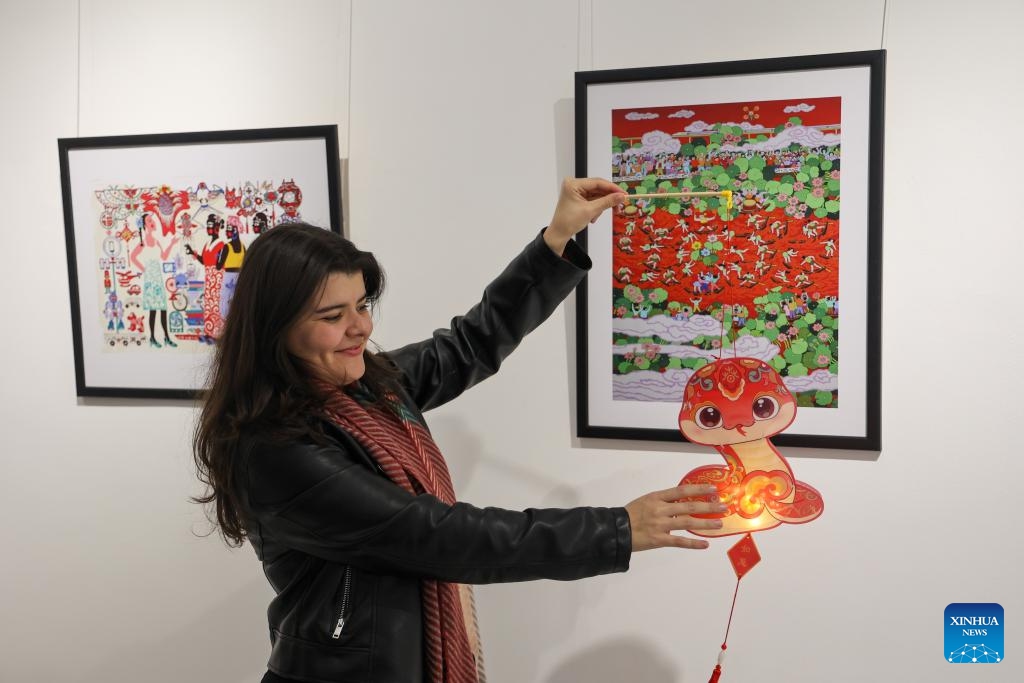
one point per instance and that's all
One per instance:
(717, 673)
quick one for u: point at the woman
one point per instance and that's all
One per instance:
(148, 257)
(229, 261)
(315, 450)
(213, 278)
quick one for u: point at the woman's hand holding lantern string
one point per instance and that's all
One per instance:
(580, 203)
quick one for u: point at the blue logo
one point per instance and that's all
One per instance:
(974, 633)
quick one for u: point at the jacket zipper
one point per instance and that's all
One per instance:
(346, 594)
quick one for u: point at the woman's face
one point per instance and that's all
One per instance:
(331, 333)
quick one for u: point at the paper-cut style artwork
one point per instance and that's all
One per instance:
(164, 284)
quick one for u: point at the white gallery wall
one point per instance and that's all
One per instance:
(455, 121)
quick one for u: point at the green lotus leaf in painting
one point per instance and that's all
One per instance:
(796, 370)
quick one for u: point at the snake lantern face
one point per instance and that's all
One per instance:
(735, 400)
(735, 405)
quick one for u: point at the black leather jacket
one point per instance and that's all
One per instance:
(345, 548)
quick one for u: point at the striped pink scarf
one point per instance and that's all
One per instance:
(409, 457)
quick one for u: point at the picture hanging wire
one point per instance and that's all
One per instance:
(885, 16)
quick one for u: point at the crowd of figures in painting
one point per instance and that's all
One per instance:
(693, 280)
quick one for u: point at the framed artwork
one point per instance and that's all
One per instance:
(769, 227)
(156, 229)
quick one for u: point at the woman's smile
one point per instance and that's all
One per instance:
(352, 351)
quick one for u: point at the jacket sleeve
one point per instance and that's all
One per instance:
(317, 500)
(522, 297)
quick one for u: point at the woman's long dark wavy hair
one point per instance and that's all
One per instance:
(254, 383)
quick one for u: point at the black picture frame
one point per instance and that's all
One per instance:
(147, 196)
(857, 79)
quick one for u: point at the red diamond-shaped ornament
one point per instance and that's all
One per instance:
(744, 555)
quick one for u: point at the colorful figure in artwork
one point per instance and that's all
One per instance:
(203, 195)
(248, 200)
(260, 223)
(165, 204)
(736, 405)
(213, 278)
(114, 313)
(149, 257)
(289, 198)
(136, 323)
(230, 262)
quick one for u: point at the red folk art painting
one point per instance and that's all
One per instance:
(693, 279)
